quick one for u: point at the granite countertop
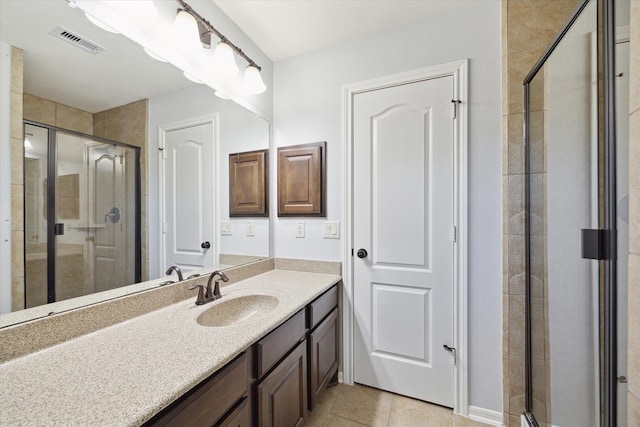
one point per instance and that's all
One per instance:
(128, 372)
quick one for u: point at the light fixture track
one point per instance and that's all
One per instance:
(210, 29)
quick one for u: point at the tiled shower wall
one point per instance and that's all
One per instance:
(528, 26)
(633, 371)
(17, 182)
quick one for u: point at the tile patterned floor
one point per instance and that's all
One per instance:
(357, 406)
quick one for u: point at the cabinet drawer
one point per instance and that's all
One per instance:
(277, 344)
(323, 356)
(210, 400)
(282, 395)
(322, 306)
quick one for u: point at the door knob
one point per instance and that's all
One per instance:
(205, 245)
(362, 253)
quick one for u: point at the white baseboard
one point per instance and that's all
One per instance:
(486, 416)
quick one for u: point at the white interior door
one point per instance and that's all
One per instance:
(403, 204)
(189, 216)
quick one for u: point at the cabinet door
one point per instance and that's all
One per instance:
(282, 395)
(323, 357)
(240, 417)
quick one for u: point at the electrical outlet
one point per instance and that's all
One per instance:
(226, 229)
(300, 230)
(331, 230)
(251, 229)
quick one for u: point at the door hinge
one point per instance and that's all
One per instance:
(454, 108)
(451, 350)
(454, 233)
(351, 251)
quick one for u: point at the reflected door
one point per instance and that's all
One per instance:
(189, 216)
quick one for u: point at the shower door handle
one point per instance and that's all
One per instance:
(593, 244)
(58, 229)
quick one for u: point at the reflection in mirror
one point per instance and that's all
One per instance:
(123, 95)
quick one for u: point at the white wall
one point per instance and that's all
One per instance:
(238, 130)
(308, 108)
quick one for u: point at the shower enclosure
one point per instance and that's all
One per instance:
(82, 214)
(575, 225)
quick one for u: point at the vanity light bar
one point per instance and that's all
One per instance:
(206, 29)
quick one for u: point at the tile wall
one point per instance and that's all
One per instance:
(17, 183)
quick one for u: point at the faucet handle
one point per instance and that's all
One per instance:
(201, 299)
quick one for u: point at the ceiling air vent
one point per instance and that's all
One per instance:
(77, 40)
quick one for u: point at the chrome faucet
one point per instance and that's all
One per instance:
(208, 294)
(177, 270)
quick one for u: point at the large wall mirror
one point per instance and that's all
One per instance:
(119, 94)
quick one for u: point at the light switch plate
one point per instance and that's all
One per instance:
(331, 230)
(226, 229)
(251, 229)
(300, 230)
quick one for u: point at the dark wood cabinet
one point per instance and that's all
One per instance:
(282, 395)
(239, 417)
(273, 347)
(323, 356)
(209, 401)
(302, 180)
(323, 343)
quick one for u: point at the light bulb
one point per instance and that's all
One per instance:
(154, 55)
(224, 60)
(100, 24)
(185, 29)
(253, 81)
(220, 95)
(192, 78)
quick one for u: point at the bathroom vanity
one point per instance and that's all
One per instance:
(167, 367)
(267, 383)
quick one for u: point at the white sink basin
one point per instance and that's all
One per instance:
(227, 312)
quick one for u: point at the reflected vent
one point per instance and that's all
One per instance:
(77, 40)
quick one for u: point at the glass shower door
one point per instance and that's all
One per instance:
(95, 216)
(564, 173)
(82, 204)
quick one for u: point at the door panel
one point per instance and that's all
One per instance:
(189, 214)
(403, 217)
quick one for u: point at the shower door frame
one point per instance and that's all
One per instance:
(607, 222)
(51, 202)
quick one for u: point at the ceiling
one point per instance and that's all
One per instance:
(286, 28)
